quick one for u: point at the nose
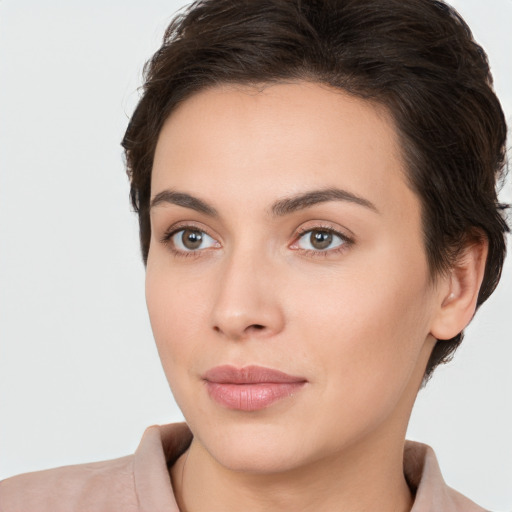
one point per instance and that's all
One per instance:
(247, 301)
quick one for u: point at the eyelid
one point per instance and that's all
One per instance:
(178, 226)
(348, 240)
(170, 232)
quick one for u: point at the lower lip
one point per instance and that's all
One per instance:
(251, 397)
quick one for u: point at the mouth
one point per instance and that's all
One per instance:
(250, 388)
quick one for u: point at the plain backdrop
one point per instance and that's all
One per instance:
(80, 377)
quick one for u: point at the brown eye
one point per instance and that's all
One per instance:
(191, 239)
(320, 239)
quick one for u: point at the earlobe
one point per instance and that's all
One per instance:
(458, 298)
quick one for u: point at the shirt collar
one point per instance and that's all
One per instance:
(161, 446)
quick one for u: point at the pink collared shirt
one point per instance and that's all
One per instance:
(141, 482)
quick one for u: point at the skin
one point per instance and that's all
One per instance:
(357, 319)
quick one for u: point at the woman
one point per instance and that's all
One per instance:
(319, 222)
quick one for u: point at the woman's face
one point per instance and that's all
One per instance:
(285, 237)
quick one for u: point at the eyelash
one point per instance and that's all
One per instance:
(347, 241)
(166, 240)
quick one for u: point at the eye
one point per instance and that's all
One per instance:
(320, 240)
(191, 239)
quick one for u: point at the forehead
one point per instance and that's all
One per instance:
(255, 144)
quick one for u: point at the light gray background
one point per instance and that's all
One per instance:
(80, 378)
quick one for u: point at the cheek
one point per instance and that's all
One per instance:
(176, 312)
(366, 331)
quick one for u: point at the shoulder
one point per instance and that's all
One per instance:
(101, 486)
(422, 472)
(139, 482)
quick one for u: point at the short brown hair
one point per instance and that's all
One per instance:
(416, 57)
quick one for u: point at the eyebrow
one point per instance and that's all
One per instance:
(300, 201)
(184, 200)
(280, 208)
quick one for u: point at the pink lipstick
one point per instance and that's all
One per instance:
(250, 388)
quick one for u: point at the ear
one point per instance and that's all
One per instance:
(459, 290)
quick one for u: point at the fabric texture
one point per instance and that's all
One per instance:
(141, 482)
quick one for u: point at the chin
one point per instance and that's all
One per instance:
(256, 457)
(252, 447)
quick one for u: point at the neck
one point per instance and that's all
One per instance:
(364, 477)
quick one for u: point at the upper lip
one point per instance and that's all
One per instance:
(227, 374)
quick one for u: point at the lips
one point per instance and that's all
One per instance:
(250, 388)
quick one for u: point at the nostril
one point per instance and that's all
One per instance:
(257, 326)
